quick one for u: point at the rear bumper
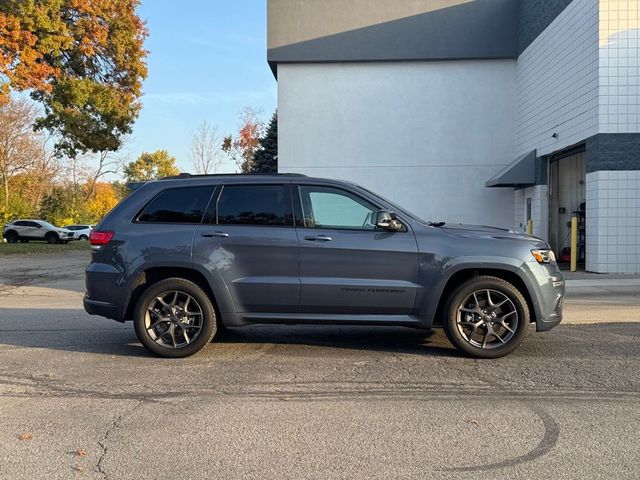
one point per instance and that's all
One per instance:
(106, 294)
(104, 309)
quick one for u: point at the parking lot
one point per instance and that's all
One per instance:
(80, 398)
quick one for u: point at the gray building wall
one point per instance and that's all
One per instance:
(613, 151)
(382, 30)
(534, 17)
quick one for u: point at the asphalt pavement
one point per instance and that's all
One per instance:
(80, 398)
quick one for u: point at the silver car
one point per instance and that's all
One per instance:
(80, 232)
(26, 230)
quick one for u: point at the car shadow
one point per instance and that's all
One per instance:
(73, 330)
(368, 338)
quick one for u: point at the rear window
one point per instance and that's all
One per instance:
(178, 205)
(254, 205)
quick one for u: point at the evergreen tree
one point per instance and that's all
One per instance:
(266, 158)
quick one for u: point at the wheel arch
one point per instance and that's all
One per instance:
(152, 275)
(434, 309)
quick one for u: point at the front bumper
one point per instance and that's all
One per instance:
(547, 295)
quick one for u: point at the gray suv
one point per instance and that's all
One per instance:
(187, 256)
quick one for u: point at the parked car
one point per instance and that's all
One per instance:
(184, 257)
(80, 232)
(27, 230)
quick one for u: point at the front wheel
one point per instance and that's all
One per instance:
(487, 317)
(174, 318)
(51, 238)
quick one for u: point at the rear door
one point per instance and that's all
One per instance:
(251, 243)
(347, 265)
(33, 230)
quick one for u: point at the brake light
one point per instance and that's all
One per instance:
(100, 238)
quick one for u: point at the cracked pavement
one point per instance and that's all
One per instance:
(307, 402)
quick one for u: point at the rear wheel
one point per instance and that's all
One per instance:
(487, 317)
(11, 236)
(83, 237)
(174, 318)
(51, 238)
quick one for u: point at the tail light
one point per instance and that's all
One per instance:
(97, 238)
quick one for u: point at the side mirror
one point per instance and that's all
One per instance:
(387, 220)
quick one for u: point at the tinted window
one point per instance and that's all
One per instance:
(21, 224)
(178, 205)
(253, 205)
(327, 207)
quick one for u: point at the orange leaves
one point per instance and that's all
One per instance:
(56, 46)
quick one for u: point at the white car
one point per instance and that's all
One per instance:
(26, 230)
(80, 232)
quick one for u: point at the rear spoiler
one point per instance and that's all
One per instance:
(133, 186)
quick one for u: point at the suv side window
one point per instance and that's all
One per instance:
(254, 205)
(177, 205)
(329, 207)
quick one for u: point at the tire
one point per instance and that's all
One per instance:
(51, 238)
(11, 236)
(173, 343)
(470, 316)
(83, 237)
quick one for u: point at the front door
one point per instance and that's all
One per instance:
(347, 265)
(251, 243)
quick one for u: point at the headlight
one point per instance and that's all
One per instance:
(544, 256)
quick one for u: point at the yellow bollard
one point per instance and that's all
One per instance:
(574, 244)
(530, 227)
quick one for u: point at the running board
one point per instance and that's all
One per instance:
(333, 319)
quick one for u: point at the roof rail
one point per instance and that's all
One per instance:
(191, 175)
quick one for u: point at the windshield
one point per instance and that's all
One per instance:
(394, 205)
(47, 224)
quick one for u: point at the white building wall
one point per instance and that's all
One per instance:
(619, 52)
(613, 222)
(557, 78)
(425, 134)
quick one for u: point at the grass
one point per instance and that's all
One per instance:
(40, 248)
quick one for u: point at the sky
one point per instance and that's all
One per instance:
(207, 60)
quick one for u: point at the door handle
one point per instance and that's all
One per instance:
(318, 238)
(215, 234)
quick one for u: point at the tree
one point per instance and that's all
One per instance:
(60, 206)
(206, 149)
(266, 158)
(84, 60)
(20, 147)
(102, 199)
(242, 148)
(151, 166)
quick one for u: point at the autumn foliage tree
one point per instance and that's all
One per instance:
(83, 60)
(19, 146)
(243, 147)
(151, 166)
